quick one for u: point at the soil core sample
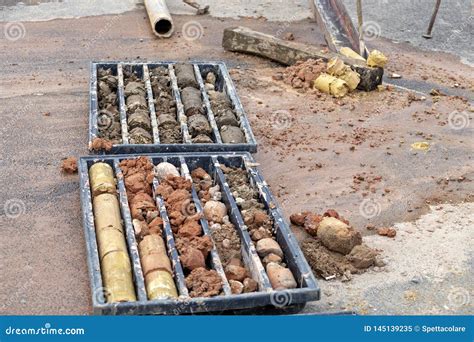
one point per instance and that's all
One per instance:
(108, 116)
(193, 246)
(148, 226)
(198, 123)
(223, 233)
(261, 228)
(165, 106)
(138, 115)
(226, 118)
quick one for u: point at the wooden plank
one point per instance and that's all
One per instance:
(242, 39)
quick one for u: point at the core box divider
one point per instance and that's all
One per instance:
(265, 300)
(122, 105)
(223, 83)
(151, 104)
(182, 119)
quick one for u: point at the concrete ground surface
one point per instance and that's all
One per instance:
(311, 147)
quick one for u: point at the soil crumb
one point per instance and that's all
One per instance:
(385, 231)
(99, 144)
(69, 165)
(203, 283)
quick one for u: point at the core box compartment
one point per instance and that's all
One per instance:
(264, 300)
(223, 84)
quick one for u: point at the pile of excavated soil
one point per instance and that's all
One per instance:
(302, 74)
(224, 233)
(335, 249)
(165, 106)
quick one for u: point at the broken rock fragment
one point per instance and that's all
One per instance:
(268, 246)
(338, 236)
(280, 277)
(362, 256)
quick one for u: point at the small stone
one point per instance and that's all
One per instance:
(280, 277)
(338, 236)
(271, 258)
(236, 286)
(235, 272)
(250, 285)
(215, 211)
(267, 246)
(163, 169)
(362, 256)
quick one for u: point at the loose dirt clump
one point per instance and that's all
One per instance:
(223, 232)
(203, 283)
(138, 178)
(99, 144)
(69, 165)
(226, 118)
(108, 118)
(165, 106)
(386, 231)
(193, 247)
(261, 228)
(335, 248)
(138, 115)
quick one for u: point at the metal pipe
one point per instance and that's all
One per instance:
(428, 35)
(160, 18)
